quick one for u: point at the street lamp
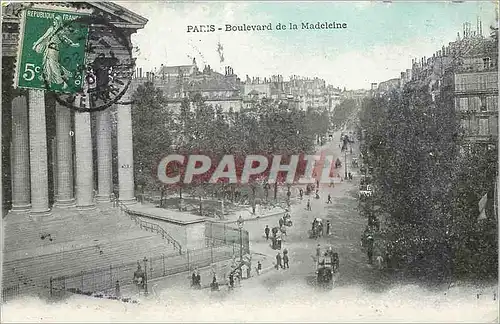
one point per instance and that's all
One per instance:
(145, 276)
(240, 226)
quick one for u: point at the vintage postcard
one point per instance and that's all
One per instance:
(250, 161)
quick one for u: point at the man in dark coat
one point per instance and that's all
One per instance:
(266, 231)
(198, 281)
(193, 279)
(285, 259)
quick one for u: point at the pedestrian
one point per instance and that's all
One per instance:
(328, 228)
(350, 175)
(266, 231)
(380, 262)
(113, 199)
(259, 267)
(370, 249)
(275, 232)
(301, 193)
(214, 285)
(231, 280)
(193, 279)
(198, 281)
(278, 261)
(309, 204)
(281, 222)
(329, 201)
(285, 261)
(388, 260)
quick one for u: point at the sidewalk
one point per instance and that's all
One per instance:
(182, 281)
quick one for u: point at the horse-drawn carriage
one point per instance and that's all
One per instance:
(327, 268)
(317, 228)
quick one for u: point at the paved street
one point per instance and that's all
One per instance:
(347, 226)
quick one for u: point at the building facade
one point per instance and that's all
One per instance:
(464, 74)
(53, 153)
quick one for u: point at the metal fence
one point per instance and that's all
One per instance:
(220, 233)
(105, 280)
(9, 293)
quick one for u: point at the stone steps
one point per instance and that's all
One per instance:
(68, 226)
(35, 272)
(78, 239)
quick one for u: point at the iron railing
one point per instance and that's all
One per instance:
(151, 227)
(105, 280)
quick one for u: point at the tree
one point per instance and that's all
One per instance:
(343, 112)
(427, 187)
(151, 122)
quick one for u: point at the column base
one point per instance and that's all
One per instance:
(65, 203)
(86, 207)
(129, 201)
(103, 198)
(41, 213)
(20, 208)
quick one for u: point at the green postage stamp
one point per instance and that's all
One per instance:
(51, 52)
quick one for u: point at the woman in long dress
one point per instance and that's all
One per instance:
(49, 44)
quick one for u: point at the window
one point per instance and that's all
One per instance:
(493, 124)
(483, 104)
(492, 103)
(483, 128)
(474, 104)
(486, 62)
(463, 104)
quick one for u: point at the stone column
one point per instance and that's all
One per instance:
(20, 155)
(104, 156)
(125, 152)
(64, 157)
(84, 163)
(38, 154)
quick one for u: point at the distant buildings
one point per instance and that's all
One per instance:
(178, 82)
(229, 93)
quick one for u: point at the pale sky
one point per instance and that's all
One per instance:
(379, 42)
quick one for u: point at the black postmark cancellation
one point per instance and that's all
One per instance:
(108, 68)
